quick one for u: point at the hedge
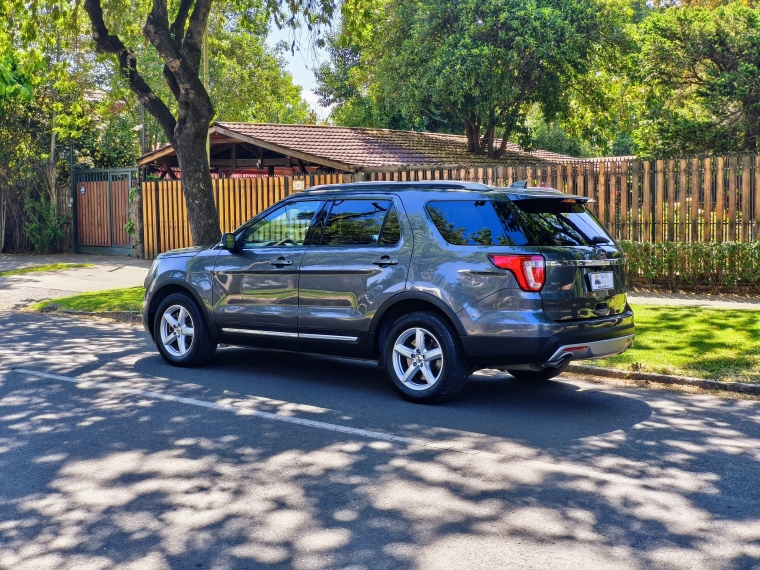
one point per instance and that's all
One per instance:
(696, 265)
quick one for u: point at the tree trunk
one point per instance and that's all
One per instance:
(190, 146)
(752, 134)
(179, 46)
(472, 129)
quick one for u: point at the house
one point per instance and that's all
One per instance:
(255, 150)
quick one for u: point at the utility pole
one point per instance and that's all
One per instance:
(73, 201)
(142, 130)
(205, 84)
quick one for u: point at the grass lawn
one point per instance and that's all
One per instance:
(129, 299)
(48, 267)
(718, 344)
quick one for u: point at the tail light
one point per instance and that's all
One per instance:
(529, 270)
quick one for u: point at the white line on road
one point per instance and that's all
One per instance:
(247, 411)
(565, 469)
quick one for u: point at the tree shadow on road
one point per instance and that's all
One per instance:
(101, 479)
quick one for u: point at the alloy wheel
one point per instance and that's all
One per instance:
(417, 359)
(177, 331)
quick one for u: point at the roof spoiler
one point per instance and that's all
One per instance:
(523, 185)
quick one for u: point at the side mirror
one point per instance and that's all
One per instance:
(228, 242)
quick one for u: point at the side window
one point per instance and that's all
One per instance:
(286, 226)
(480, 222)
(391, 233)
(357, 222)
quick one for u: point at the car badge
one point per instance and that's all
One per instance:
(600, 253)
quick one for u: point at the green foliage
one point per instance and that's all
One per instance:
(700, 75)
(349, 82)
(474, 66)
(44, 228)
(695, 265)
(555, 138)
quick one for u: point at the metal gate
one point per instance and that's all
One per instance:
(102, 210)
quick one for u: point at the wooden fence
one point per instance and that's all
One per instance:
(165, 224)
(686, 199)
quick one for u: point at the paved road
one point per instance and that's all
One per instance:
(109, 458)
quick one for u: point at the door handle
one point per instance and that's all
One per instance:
(281, 261)
(385, 260)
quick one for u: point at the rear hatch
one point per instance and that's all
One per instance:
(585, 273)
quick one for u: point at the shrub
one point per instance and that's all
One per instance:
(694, 264)
(43, 227)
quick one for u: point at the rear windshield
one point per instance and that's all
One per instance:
(557, 222)
(480, 222)
(541, 222)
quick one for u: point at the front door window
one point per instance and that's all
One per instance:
(286, 226)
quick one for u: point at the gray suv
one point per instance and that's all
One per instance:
(432, 279)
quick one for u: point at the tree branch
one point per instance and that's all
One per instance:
(191, 45)
(177, 29)
(107, 43)
(186, 85)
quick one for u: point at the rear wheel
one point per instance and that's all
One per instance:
(424, 359)
(181, 333)
(540, 375)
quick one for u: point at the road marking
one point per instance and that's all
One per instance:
(244, 411)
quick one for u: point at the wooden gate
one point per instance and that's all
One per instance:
(103, 210)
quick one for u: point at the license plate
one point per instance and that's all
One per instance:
(602, 281)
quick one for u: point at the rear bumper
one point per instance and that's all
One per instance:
(549, 344)
(595, 349)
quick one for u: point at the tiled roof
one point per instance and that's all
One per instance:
(362, 148)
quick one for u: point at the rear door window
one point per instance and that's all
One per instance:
(361, 222)
(477, 222)
(552, 222)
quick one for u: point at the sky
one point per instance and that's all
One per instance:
(301, 65)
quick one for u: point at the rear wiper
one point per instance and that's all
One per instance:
(599, 239)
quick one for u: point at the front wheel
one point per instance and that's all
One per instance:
(181, 333)
(424, 359)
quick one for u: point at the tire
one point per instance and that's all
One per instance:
(186, 350)
(430, 380)
(540, 375)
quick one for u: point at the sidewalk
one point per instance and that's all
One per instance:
(688, 300)
(10, 261)
(108, 272)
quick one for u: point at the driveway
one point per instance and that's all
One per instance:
(112, 459)
(107, 272)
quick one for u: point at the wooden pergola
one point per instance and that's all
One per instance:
(233, 153)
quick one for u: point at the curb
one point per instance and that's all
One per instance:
(666, 379)
(121, 316)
